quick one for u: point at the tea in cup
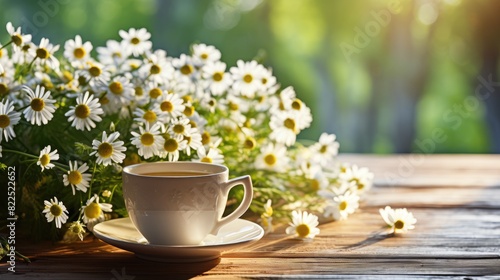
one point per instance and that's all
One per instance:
(181, 203)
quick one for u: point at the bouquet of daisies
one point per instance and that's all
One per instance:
(70, 123)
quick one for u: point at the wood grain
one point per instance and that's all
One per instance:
(456, 199)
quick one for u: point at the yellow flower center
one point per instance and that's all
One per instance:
(186, 69)
(167, 106)
(95, 71)
(3, 89)
(155, 69)
(82, 111)
(37, 104)
(264, 81)
(302, 230)
(17, 39)
(149, 116)
(179, 128)
(323, 149)
(135, 41)
(104, 100)
(75, 177)
(79, 53)
(4, 121)
(342, 206)
(44, 159)
(218, 76)
(399, 224)
(139, 91)
(249, 143)
(187, 98)
(42, 53)
(206, 160)
(204, 56)
(205, 138)
(270, 159)
(247, 78)
(297, 104)
(92, 211)
(188, 111)
(155, 93)
(56, 210)
(187, 138)
(315, 185)
(117, 55)
(67, 76)
(105, 150)
(290, 124)
(116, 87)
(233, 106)
(147, 139)
(170, 145)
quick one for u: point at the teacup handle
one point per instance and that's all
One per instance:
(246, 181)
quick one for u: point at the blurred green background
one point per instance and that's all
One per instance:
(385, 76)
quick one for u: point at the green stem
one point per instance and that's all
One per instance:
(4, 46)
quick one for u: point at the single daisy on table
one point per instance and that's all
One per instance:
(108, 150)
(46, 156)
(342, 206)
(76, 228)
(93, 211)
(77, 177)
(398, 220)
(40, 107)
(77, 52)
(87, 111)
(303, 225)
(272, 157)
(148, 141)
(136, 40)
(16, 35)
(8, 119)
(213, 155)
(55, 210)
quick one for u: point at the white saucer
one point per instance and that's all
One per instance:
(123, 234)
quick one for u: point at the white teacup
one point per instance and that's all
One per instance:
(180, 203)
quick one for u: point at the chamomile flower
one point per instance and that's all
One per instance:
(362, 177)
(193, 140)
(325, 149)
(55, 210)
(284, 127)
(303, 225)
(16, 36)
(203, 54)
(171, 104)
(77, 177)
(212, 156)
(136, 40)
(76, 228)
(2, 71)
(272, 157)
(218, 81)
(179, 127)
(119, 91)
(157, 68)
(86, 112)
(342, 206)
(46, 156)
(172, 147)
(77, 52)
(398, 220)
(108, 150)
(247, 78)
(184, 67)
(8, 119)
(40, 107)
(114, 53)
(266, 218)
(150, 116)
(148, 141)
(45, 54)
(96, 74)
(93, 211)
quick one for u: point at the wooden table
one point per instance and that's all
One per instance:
(456, 199)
